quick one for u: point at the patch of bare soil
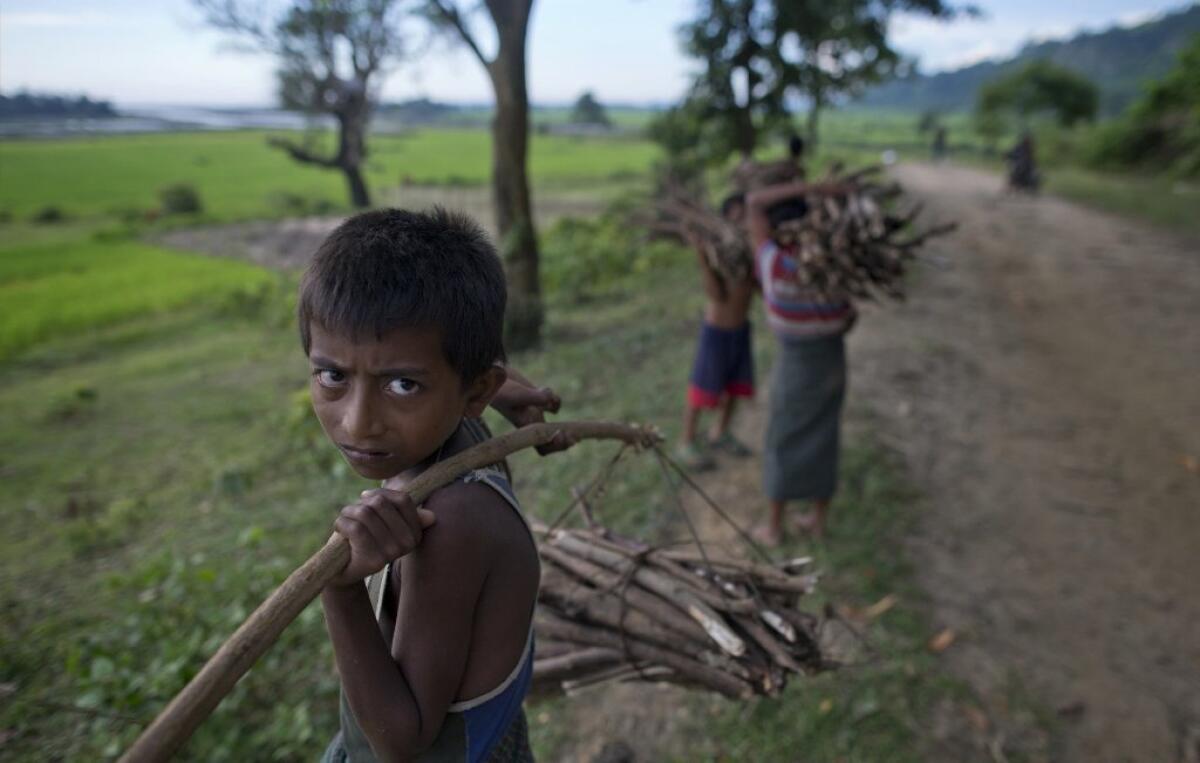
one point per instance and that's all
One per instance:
(288, 244)
(1044, 387)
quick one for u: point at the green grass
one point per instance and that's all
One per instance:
(1171, 204)
(238, 176)
(55, 290)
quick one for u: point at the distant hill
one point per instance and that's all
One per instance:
(38, 106)
(1118, 60)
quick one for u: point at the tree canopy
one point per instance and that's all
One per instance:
(588, 111)
(760, 57)
(1040, 88)
(1162, 129)
(329, 53)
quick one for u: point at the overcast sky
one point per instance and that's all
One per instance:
(158, 51)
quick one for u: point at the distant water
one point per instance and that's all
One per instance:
(141, 119)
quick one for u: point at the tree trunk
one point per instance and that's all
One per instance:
(510, 182)
(812, 126)
(359, 196)
(352, 149)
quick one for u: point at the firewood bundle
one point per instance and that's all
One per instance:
(722, 242)
(855, 240)
(751, 175)
(612, 609)
(852, 242)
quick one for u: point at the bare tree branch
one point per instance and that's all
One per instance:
(301, 154)
(448, 13)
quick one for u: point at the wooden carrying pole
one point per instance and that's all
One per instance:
(176, 723)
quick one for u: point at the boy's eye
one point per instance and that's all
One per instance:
(403, 386)
(327, 377)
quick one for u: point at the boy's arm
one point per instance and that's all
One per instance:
(714, 285)
(523, 403)
(757, 203)
(400, 693)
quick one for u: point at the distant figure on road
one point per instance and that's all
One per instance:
(1022, 167)
(939, 144)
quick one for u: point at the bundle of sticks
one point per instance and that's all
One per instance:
(854, 242)
(613, 609)
(722, 242)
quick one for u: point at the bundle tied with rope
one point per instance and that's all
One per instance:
(609, 608)
(855, 242)
(612, 608)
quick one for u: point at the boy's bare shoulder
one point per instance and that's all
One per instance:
(470, 514)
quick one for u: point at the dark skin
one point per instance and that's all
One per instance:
(758, 225)
(727, 306)
(469, 568)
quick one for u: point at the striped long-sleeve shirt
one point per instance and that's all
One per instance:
(795, 311)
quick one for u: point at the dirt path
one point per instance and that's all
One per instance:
(1044, 387)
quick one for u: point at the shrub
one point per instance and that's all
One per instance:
(48, 216)
(180, 199)
(583, 258)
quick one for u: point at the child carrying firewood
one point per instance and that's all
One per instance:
(400, 316)
(723, 370)
(809, 380)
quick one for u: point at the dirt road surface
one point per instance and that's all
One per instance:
(1044, 387)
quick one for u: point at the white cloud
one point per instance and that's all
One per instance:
(1134, 18)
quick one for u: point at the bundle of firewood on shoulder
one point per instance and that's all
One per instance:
(613, 609)
(856, 239)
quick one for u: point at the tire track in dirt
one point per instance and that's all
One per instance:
(1044, 388)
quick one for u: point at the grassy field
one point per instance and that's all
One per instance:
(61, 289)
(239, 177)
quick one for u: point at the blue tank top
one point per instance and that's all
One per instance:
(472, 728)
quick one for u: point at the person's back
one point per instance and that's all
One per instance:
(400, 316)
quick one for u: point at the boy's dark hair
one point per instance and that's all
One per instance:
(788, 209)
(391, 268)
(731, 201)
(795, 146)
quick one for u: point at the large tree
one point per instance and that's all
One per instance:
(505, 68)
(759, 56)
(1039, 88)
(329, 52)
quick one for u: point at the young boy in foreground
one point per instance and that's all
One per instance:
(724, 367)
(401, 316)
(808, 384)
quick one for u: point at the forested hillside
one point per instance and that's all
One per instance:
(1119, 60)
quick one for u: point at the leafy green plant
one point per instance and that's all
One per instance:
(180, 199)
(584, 258)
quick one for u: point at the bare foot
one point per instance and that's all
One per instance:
(767, 535)
(810, 523)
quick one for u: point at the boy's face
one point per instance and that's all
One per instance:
(389, 404)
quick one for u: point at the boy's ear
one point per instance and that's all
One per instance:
(481, 391)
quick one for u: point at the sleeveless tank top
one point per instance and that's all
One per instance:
(472, 727)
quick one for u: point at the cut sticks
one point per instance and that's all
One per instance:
(617, 610)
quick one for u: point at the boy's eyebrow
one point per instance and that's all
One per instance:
(403, 371)
(320, 360)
